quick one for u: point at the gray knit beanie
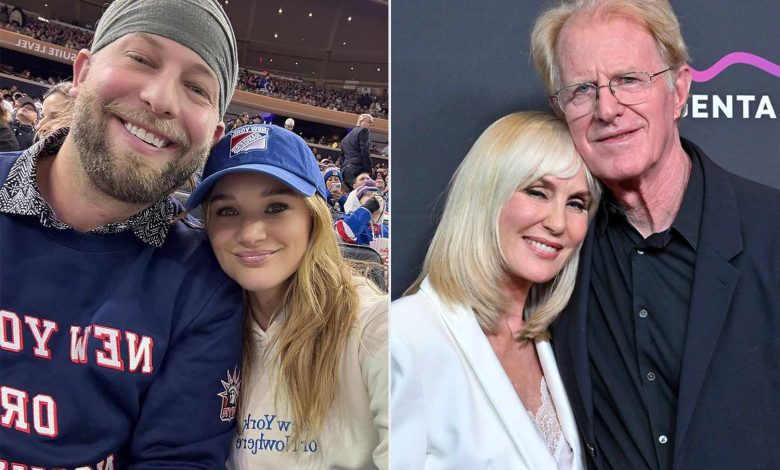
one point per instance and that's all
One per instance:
(200, 25)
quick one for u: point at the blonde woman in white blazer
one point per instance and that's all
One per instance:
(474, 384)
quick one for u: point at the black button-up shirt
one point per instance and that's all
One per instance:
(637, 317)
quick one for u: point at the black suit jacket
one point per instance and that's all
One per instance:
(8, 142)
(728, 412)
(24, 134)
(355, 150)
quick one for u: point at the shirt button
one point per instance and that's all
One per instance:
(651, 378)
(663, 439)
(643, 313)
(591, 451)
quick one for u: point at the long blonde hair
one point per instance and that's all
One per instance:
(464, 263)
(320, 306)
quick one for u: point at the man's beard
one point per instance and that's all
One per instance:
(126, 175)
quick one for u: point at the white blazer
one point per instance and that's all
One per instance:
(452, 404)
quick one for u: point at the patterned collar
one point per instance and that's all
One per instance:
(20, 195)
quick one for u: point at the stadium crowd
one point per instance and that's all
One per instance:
(351, 101)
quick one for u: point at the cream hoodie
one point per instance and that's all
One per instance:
(355, 435)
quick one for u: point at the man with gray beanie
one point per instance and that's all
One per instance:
(120, 337)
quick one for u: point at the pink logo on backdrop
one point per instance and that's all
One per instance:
(735, 58)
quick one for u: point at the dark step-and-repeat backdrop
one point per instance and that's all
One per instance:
(458, 65)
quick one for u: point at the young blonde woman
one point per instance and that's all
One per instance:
(314, 379)
(474, 379)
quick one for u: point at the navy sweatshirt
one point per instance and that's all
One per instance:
(113, 353)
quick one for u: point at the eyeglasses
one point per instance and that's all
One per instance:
(628, 88)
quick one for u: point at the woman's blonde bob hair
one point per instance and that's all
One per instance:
(464, 263)
(655, 15)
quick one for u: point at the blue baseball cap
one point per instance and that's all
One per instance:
(266, 149)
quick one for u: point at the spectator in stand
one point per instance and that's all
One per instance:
(365, 223)
(38, 105)
(378, 171)
(289, 124)
(8, 103)
(8, 141)
(264, 83)
(380, 181)
(335, 193)
(23, 125)
(365, 100)
(387, 194)
(56, 111)
(17, 96)
(16, 17)
(353, 201)
(241, 120)
(355, 155)
(376, 108)
(325, 163)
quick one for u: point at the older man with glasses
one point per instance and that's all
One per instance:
(670, 346)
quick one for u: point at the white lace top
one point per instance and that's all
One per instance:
(546, 422)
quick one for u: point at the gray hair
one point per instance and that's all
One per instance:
(364, 117)
(655, 15)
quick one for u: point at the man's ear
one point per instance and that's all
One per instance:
(555, 108)
(218, 133)
(81, 68)
(682, 89)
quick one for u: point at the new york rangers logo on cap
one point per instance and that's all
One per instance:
(252, 137)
